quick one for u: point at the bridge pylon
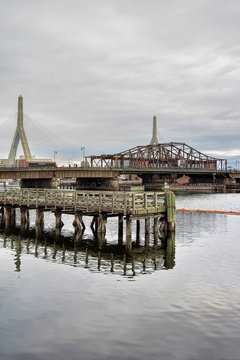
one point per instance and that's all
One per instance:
(19, 135)
(154, 135)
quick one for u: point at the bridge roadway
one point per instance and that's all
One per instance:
(104, 173)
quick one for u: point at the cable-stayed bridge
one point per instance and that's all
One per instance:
(154, 164)
(97, 186)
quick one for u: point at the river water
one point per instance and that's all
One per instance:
(180, 302)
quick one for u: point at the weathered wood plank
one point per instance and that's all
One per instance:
(73, 200)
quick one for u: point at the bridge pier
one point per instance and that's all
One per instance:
(49, 183)
(155, 182)
(98, 184)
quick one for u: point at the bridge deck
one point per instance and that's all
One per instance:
(115, 202)
(81, 172)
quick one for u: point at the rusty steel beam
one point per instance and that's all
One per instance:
(178, 155)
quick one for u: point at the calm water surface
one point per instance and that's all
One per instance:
(57, 303)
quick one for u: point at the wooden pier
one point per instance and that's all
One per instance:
(101, 205)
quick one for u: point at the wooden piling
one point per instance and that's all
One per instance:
(128, 234)
(13, 216)
(93, 226)
(63, 252)
(101, 229)
(2, 214)
(7, 216)
(77, 223)
(147, 231)
(18, 251)
(156, 223)
(24, 218)
(171, 208)
(120, 229)
(124, 265)
(169, 258)
(163, 225)
(137, 232)
(112, 263)
(54, 251)
(59, 223)
(39, 221)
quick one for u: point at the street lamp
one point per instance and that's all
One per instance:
(54, 156)
(83, 155)
(237, 162)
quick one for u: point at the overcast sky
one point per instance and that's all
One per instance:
(96, 71)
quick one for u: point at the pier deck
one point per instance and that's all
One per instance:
(114, 202)
(128, 206)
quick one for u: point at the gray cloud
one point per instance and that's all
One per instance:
(95, 72)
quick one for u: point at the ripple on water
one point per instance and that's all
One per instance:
(59, 306)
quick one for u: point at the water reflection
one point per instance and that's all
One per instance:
(111, 260)
(17, 256)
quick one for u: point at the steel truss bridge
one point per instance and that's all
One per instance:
(148, 161)
(159, 156)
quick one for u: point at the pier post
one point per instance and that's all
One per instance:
(13, 216)
(147, 232)
(163, 225)
(137, 232)
(59, 223)
(169, 258)
(24, 218)
(128, 234)
(39, 221)
(77, 223)
(93, 226)
(101, 229)
(120, 229)
(2, 214)
(156, 224)
(170, 205)
(7, 216)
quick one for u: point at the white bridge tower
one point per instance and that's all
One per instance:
(154, 135)
(19, 135)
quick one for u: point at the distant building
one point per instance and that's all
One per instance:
(3, 162)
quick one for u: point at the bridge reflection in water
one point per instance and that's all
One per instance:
(113, 260)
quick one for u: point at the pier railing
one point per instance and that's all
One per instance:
(127, 203)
